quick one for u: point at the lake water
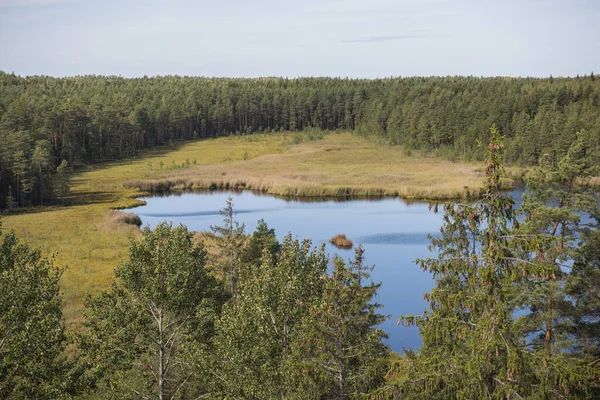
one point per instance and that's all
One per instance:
(393, 232)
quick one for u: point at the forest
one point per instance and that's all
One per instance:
(50, 125)
(514, 313)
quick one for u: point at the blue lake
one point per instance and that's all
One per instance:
(393, 232)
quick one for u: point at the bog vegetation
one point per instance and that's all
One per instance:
(259, 318)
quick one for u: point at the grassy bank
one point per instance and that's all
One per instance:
(92, 240)
(338, 165)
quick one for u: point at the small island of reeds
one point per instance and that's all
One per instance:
(341, 242)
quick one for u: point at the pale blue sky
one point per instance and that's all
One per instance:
(354, 38)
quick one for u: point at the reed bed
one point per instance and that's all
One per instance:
(339, 165)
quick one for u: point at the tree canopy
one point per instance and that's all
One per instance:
(85, 119)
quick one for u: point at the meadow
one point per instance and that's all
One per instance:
(90, 238)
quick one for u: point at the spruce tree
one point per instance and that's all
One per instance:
(583, 287)
(471, 346)
(553, 207)
(262, 239)
(338, 351)
(230, 240)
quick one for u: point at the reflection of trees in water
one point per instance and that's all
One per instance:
(300, 199)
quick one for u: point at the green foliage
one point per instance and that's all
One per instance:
(263, 239)
(230, 240)
(554, 236)
(254, 334)
(32, 332)
(337, 350)
(150, 334)
(61, 181)
(583, 286)
(472, 345)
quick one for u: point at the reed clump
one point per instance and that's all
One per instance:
(341, 241)
(118, 219)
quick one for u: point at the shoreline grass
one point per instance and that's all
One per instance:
(91, 238)
(339, 165)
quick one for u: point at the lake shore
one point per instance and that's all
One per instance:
(85, 237)
(338, 165)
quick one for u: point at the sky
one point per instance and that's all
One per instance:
(342, 38)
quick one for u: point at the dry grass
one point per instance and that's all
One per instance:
(341, 242)
(92, 240)
(119, 220)
(592, 182)
(338, 165)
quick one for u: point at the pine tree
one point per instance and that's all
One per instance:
(42, 163)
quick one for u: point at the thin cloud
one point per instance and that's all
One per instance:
(23, 3)
(375, 39)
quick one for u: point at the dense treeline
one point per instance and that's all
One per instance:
(45, 121)
(258, 318)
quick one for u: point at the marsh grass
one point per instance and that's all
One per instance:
(338, 165)
(91, 238)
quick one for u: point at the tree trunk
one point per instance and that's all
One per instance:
(161, 361)
(548, 337)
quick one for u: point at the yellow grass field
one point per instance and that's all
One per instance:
(87, 237)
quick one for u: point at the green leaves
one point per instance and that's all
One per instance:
(337, 350)
(155, 320)
(32, 332)
(255, 331)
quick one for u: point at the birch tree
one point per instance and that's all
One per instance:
(156, 318)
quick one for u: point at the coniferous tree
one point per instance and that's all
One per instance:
(583, 287)
(553, 207)
(471, 345)
(92, 118)
(61, 181)
(230, 239)
(262, 239)
(338, 351)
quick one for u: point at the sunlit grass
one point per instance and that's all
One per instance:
(338, 165)
(92, 241)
